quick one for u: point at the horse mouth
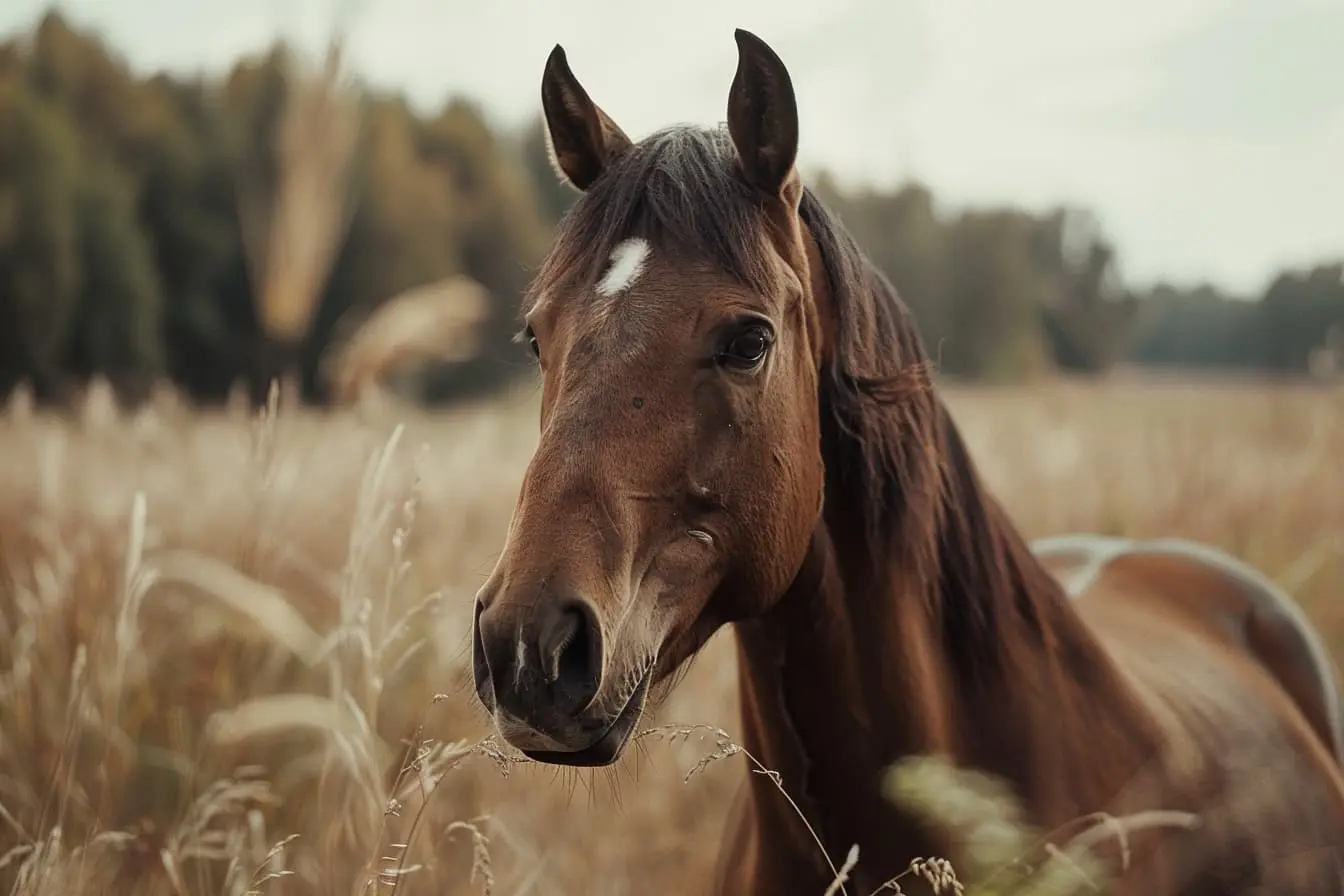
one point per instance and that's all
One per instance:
(611, 743)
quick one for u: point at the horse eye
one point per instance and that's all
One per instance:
(532, 343)
(746, 350)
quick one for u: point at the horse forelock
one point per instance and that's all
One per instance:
(679, 193)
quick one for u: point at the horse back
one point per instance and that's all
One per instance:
(1238, 678)
(1231, 600)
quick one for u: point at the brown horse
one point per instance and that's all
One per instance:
(738, 426)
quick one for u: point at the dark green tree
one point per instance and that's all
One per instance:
(41, 265)
(117, 330)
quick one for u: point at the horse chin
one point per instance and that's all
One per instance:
(610, 744)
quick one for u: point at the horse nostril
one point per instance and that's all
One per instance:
(570, 645)
(480, 662)
(556, 639)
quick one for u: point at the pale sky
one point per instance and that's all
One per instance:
(1208, 135)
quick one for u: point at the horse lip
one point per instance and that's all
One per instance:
(609, 745)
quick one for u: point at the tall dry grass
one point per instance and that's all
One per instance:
(439, 321)
(234, 649)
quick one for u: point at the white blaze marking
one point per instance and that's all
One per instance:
(627, 263)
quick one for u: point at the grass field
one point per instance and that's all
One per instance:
(221, 636)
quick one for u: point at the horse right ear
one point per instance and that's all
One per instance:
(763, 118)
(582, 139)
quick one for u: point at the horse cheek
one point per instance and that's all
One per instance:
(794, 512)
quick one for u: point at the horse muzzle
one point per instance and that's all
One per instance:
(540, 678)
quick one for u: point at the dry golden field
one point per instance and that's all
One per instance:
(222, 636)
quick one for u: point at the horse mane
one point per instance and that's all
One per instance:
(896, 455)
(893, 455)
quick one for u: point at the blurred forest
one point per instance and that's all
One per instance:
(221, 231)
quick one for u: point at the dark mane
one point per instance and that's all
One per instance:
(895, 450)
(885, 435)
(888, 437)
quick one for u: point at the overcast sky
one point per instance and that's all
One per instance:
(1207, 134)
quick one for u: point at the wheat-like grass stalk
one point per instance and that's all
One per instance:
(977, 810)
(292, 234)
(438, 321)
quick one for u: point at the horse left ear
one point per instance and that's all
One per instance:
(582, 139)
(763, 118)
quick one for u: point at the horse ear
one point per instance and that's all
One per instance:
(763, 117)
(582, 139)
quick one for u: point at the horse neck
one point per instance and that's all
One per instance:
(978, 658)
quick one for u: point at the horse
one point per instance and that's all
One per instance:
(740, 427)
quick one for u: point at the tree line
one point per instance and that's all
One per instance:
(213, 231)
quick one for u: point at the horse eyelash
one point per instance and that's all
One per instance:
(524, 336)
